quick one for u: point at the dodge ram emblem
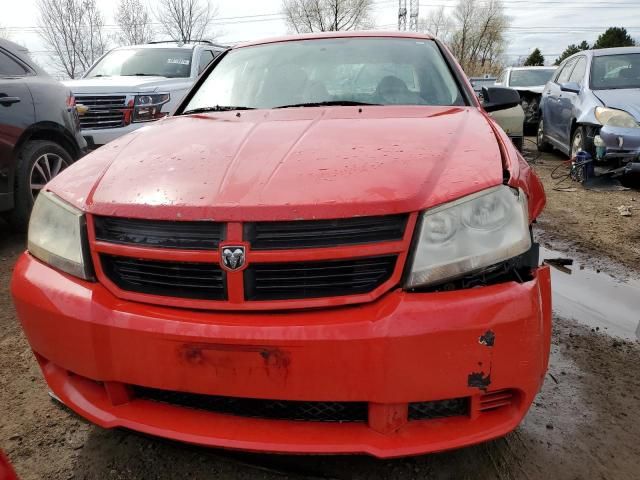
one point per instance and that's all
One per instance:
(233, 257)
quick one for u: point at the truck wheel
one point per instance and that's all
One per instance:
(543, 145)
(38, 162)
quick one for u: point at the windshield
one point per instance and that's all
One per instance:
(162, 62)
(381, 71)
(616, 71)
(530, 78)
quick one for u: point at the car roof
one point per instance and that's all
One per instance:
(22, 53)
(172, 45)
(603, 52)
(534, 68)
(341, 34)
(614, 51)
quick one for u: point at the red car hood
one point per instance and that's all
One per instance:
(289, 164)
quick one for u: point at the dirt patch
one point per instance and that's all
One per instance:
(583, 424)
(589, 221)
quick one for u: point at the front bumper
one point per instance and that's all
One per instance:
(97, 137)
(404, 347)
(620, 143)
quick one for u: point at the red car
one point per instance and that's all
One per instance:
(326, 249)
(6, 471)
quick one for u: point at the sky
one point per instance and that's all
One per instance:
(550, 25)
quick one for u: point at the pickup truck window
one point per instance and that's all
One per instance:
(162, 62)
(378, 71)
(205, 59)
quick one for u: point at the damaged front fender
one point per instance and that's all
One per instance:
(518, 173)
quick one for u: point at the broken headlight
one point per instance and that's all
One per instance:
(57, 234)
(470, 234)
(615, 118)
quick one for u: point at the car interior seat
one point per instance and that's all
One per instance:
(394, 90)
(283, 85)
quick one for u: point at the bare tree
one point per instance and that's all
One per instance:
(94, 42)
(4, 33)
(437, 23)
(304, 16)
(73, 29)
(474, 33)
(185, 20)
(134, 23)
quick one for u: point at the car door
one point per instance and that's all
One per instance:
(16, 114)
(552, 109)
(568, 103)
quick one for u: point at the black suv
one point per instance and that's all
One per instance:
(39, 132)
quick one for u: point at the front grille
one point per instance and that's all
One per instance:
(157, 233)
(453, 407)
(256, 408)
(105, 111)
(268, 275)
(93, 120)
(205, 281)
(278, 281)
(102, 101)
(325, 233)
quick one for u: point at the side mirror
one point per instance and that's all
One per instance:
(572, 87)
(499, 98)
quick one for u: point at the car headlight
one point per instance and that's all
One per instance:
(56, 236)
(615, 118)
(149, 107)
(470, 234)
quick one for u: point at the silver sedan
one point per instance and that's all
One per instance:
(592, 103)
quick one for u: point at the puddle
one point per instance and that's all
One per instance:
(594, 298)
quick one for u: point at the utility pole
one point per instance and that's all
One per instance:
(402, 14)
(413, 15)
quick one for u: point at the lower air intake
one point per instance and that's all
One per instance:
(256, 408)
(453, 407)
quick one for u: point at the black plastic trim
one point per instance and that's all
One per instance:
(198, 235)
(325, 233)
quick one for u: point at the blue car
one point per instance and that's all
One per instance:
(592, 103)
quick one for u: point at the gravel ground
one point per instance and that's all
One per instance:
(583, 424)
(589, 221)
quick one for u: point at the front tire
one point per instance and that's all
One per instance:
(543, 144)
(39, 161)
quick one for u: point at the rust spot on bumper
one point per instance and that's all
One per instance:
(274, 357)
(488, 339)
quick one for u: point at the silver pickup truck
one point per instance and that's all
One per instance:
(131, 86)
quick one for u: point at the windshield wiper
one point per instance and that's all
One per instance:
(145, 75)
(217, 108)
(329, 103)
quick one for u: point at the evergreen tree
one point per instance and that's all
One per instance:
(614, 37)
(535, 59)
(570, 50)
